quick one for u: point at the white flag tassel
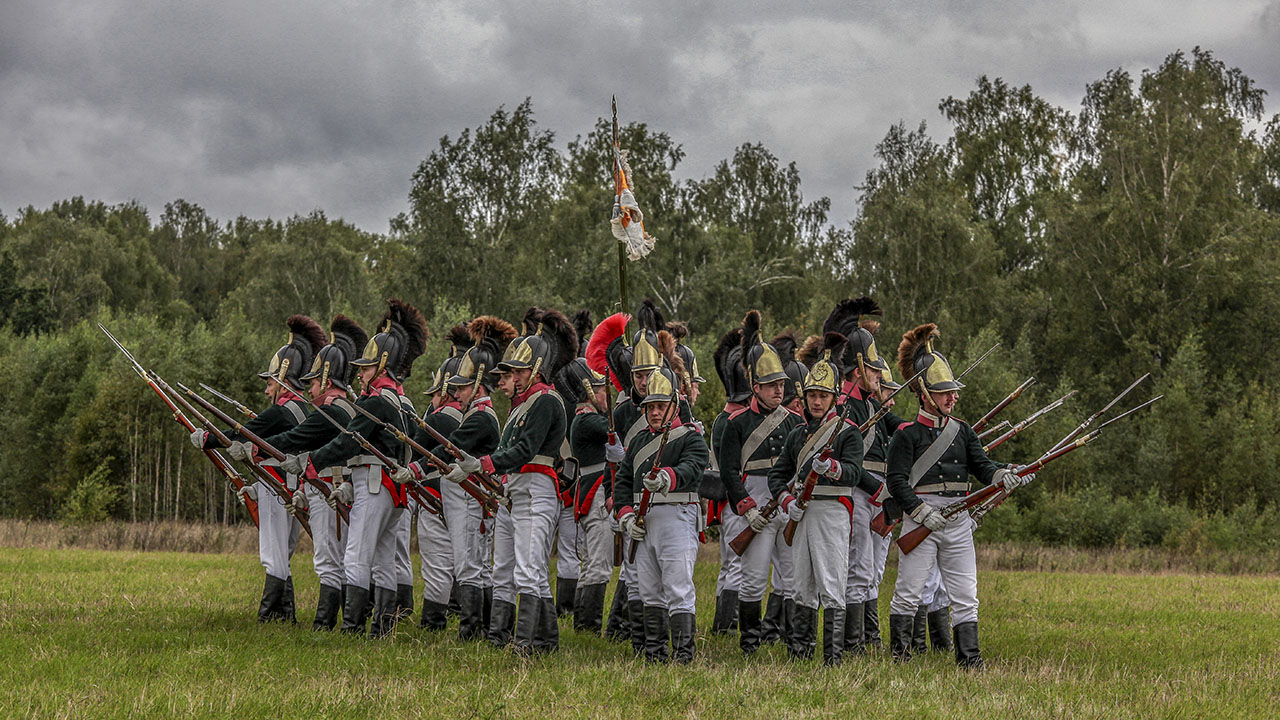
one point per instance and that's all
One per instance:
(627, 223)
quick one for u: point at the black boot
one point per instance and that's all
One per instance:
(684, 628)
(385, 612)
(404, 602)
(871, 624)
(272, 596)
(355, 610)
(789, 618)
(855, 642)
(656, 633)
(967, 655)
(900, 627)
(774, 618)
(547, 636)
(435, 616)
(527, 619)
(471, 612)
(940, 630)
(455, 601)
(800, 640)
(635, 611)
(488, 610)
(565, 591)
(749, 626)
(726, 620)
(920, 631)
(833, 636)
(502, 621)
(617, 629)
(287, 610)
(588, 611)
(327, 608)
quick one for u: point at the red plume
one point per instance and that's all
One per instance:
(609, 329)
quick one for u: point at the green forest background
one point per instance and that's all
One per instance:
(1139, 233)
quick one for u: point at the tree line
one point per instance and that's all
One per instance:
(1138, 233)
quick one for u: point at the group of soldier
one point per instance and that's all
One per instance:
(803, 460)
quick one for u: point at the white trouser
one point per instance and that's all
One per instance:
(324, 536)
(627, 573)
(371, 545)
(935, 594)
(404, 532)
(596, 558)
(469, 547)
(504, 558)
(664, 559)
(277, 533)
(949, 551)
(730, 577)
(527, 541)
(566, 544)
(768, 549)
(437, 557)
(820, 555)
(867, 552)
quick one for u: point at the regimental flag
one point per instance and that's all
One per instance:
(627, 223)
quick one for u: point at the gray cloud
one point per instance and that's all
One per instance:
(272, 108)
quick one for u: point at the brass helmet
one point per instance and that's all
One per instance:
(728, 362)
(760, 360)
(916, 353)
(489, 336)
(333, 362)
(664, 386)
(401, 340)
(287, 364)
(549, 343)
(459, 342)
(680, 331)
(785, 343)
(644, 344)
(821, 353)
(576, 382)
(857, 319)
(887, 381)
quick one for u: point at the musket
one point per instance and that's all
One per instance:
(1003, 424)
(645, 495)
(239, 406)
(1017, 392)
(613, 468)
(1026, 423)
(482, 479)
(884, 404)
(1079, 429)
(271, 482)
(977, 362)
(811, 479)
(910, 541)
(235, 479)
(487, 502)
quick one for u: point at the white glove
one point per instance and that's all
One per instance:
(632, 528)
(239, 450)
(468, 463)
(198, 437)
(1010, 479)
(403, 476)
(342, 493)
(615, 452)
(929, 517)
(697, 426)
(757, 521)
(794, 510)
(456, 474)
(660, 481)
(248, 491)
(298, 503)
(295, 464)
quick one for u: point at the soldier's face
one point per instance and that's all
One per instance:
(641, 382)
(796, 405)
(315, 389)
(695, 389)
(601, 395)
(366, 374)
(656, 414)
(273, 389)
(463, 393)
(945, 402)
(818, 402)
(871, 379)
(507, 384)
(523, 379)
(769, 394)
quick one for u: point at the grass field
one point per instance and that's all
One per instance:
(115, 634)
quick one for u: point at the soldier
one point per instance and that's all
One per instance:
(277, 529)
(329, 382)
(820, 545)
(471, 530)
(752, 441)
(929, 464)
(588, 437)
(657, 500)
(526, 456)
(856, 319)
(728, 362)
(792, 398)
(568, 538)
(377, 502)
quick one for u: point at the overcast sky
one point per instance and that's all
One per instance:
(270, 108)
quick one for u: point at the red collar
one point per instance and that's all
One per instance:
(481, 403)
(381, 382)
(932, 421)
(755, 406)
(534, 389)
(732, 407)
(585, 408)
(328, 396)
(286, 396)
(453, 404)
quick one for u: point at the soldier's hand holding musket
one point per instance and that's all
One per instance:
(239, 450)
(660, 481)
(614, 451)
(198, 438)
(248, 491)
(297, 504)
(929, 517)
(754, 518)
(342, 493)
(403, 475)
(631, 527)
(1010, 479)
(296, 464)
(465, 463)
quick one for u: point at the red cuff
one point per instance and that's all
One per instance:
(486, 464)
(837, 470)
(671, 473)
(309, 472)
(625, 511)
(744, 506)
(787, 499)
